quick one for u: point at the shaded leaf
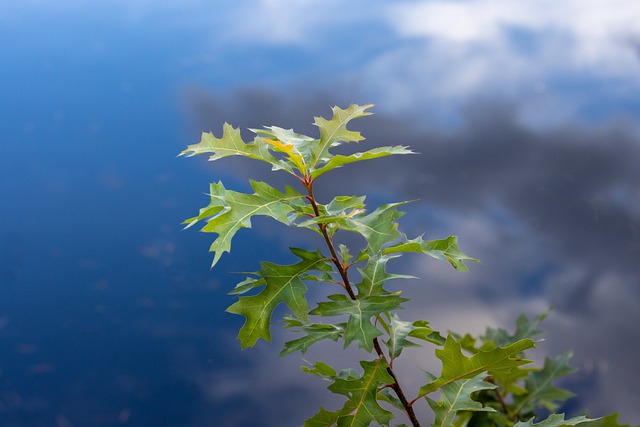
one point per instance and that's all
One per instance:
(456, 366)
(540, 390)
(456, 396)
(525, 328)
(323, 418)
(556, 420)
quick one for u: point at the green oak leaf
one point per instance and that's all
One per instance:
(283, 284)
(511, 382)
(525, 328)
(296, 146)
(315, 332)
(378, 228)
(345, 255)
(322, 370)
(231, 144)
(229, 211)
(340, 160)
(362, 407)
(387, 395)
(400, 331)
(456, 396)
(456, 366)
(334, 131)
(444, 249)
(323, 418)
(608, 421)
(374, 276)
(557, 420)
(360, 311)
(246, 285)
(539, 387)
(340, 204)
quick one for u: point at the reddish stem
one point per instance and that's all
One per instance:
(342, 270)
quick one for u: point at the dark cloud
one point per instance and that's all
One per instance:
(578, 187)
(572, 191)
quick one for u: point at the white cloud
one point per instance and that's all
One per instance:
(453, 50)
(301, 22)
(596, 29)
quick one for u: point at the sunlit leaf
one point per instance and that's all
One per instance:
(315, 332)
(400, 331)
(229, 211)
(334, 131)
(378, 227)
(374, 276)
(362, 407)
(297, 147)
(444, 249)
(340, 160)
(283, 284)
(231, 144)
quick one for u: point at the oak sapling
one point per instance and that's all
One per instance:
(485, 380)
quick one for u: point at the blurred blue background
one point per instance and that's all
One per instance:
(525, 115)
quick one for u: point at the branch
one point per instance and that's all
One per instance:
(342, 270)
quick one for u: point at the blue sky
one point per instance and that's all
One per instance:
(525, 115)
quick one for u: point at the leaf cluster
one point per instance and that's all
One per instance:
(485, 381)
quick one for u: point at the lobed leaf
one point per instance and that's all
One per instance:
(556, 420)
(540, 391)
(229, 211)
(456, 366)
(340, 160)
(322, 370)
(456, 397)
(246, 285)
(323, 418)
(378, 228)
(359, 327)
(297, 147)
(374, 276)
(525, 328)
(362, 407)
(608, 421)
(283, 284)
(231, 144)
(315, 332)
(444, 249)
(334, 131)
(400, 331)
